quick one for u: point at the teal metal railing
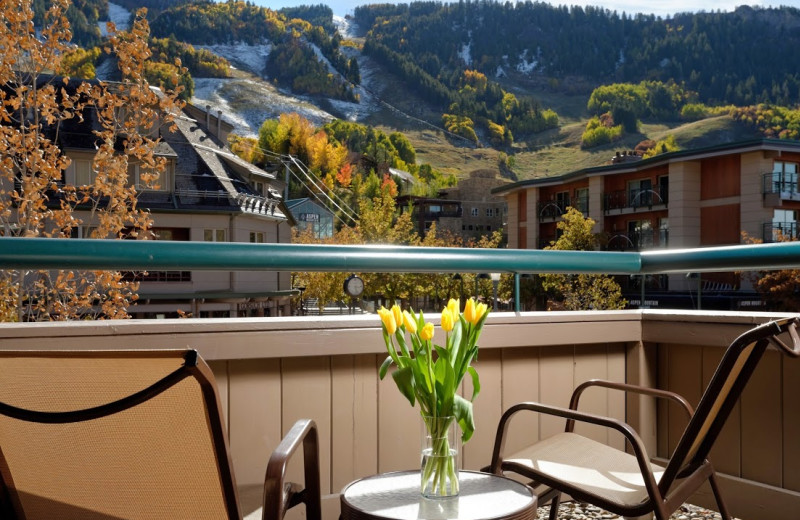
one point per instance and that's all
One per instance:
(148, 255)
(43, 253)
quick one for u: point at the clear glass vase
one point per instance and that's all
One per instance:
(441, 444)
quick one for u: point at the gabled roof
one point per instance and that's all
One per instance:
(777, 145)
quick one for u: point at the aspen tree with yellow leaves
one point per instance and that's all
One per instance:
(37, 196)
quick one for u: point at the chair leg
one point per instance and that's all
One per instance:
(723, 510)
(554, 506)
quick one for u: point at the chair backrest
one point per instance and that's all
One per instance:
(724, 389)
(118, 434)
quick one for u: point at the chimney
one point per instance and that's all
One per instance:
(208, 116)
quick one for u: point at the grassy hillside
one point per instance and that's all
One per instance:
(549, 153)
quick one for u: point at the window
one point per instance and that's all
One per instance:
(257, 237)
(640, 193)
(489, 212)
(784, 177)
(259, 187)
(562, 200)
(84, 176)
(474, 212)
(163, 183)
(640, 232)
(663, 188)
(582, 200)
(215, 235)
(663, 232)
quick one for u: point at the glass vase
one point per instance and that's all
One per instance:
(441, 444)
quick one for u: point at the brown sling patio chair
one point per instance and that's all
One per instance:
(629, 484)
(101, 435)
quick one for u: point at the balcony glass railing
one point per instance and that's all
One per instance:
(780, 183)
(634, 199)
(552, 208)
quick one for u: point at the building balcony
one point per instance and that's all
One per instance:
(775, 231)
(638, 240)
(266, 368)
(777, 188)
(629, 201)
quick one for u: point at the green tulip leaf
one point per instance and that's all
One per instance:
(404, 379)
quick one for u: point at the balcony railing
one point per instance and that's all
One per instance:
(775, 231)
(784, 185)
(634, 199)
(552, 208)
(267, 367)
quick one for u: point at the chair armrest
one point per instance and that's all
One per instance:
(280, 496)
(625, 387)
(627, 431)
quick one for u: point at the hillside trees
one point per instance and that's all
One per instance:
(742, 57)
(37, 198)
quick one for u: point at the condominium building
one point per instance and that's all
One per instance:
(206, 193)
(692, 198)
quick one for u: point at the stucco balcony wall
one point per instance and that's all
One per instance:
(272, 371)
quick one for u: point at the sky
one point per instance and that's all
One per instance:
(658, 7)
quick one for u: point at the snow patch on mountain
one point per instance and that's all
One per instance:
(119, 15)
(465, 54)
(524, 66)
(247, 103)
(252, 58)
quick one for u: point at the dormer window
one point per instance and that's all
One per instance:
(163, 184)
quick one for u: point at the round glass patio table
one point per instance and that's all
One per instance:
(396, 496)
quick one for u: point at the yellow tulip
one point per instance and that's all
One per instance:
(398, 315)
(454, 306)
(387, 317)
(426, 334)
(410, 322)
(473, 312)
(480, 310)
(469, 311)
(448, 319)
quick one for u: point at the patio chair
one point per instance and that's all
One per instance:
(128, 434)
(630, 485)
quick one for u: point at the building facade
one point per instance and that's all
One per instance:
(469, 210)
(694, 198)
(206, 193)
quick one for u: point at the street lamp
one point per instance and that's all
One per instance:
(495, 282)
(459, 278)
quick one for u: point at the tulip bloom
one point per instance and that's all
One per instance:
(473, 312)
(448, 319)
(454, 306)
(426, 334)
(410, 322)
(387, 317)
(398, 315)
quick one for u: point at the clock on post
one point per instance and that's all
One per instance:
(354, 286)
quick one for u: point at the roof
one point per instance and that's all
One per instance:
(779, 145)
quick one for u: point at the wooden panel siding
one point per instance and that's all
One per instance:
(721, 177)
(272, 371)
(720, 225)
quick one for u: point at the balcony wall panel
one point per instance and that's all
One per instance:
(273, 371)
(488, 407)
(519, 370)
(354, 425)
(791, 425)
(726, 453)
(762, 423)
